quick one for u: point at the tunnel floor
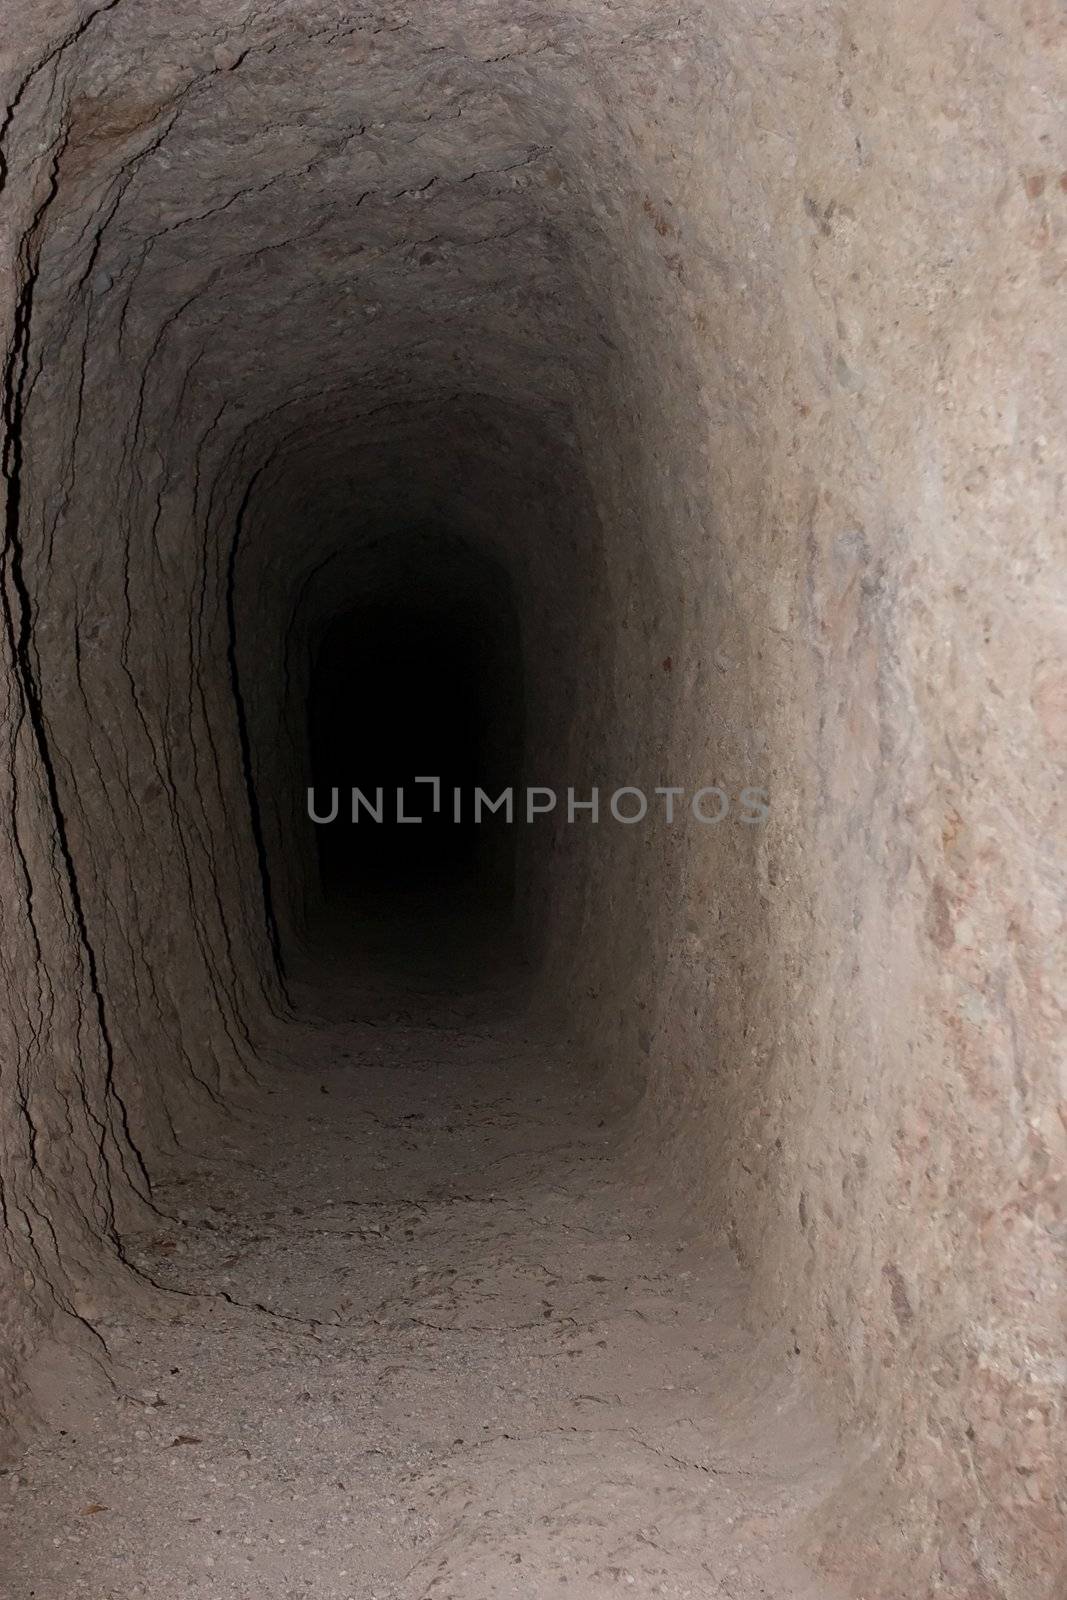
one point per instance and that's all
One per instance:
(428, 1330)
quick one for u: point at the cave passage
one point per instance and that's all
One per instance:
(588, 395)
(400, 693)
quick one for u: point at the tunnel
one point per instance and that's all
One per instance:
(534, 709)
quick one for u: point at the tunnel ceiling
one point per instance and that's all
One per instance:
(314, 218)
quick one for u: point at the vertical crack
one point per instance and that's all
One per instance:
(255, 814)
(18, 623)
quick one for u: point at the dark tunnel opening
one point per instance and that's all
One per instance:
(414, 731)
(399, 695)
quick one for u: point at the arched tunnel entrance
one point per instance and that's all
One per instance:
(533, 720)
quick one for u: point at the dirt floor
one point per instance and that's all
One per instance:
(427, 1336)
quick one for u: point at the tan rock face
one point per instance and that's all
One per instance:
(731, 343)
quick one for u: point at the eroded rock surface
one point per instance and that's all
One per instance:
(735, 337)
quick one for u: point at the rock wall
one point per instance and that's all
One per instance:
(736, 337)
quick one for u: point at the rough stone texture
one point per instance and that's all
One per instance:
(736, 335)
(490, 1366)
